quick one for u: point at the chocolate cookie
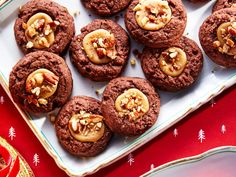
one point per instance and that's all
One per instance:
(105, 7)
(156, 23)
(40, 82)
(80, 127)
(43, 25)
(130, 106)
(101, 51)
(222, 4)
(217, 35)
(173, 68)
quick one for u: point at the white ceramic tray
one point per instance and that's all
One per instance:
(219, 161)
(174, 106)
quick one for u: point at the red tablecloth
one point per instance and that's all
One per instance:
(211, 126)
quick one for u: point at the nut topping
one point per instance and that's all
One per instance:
(152, 14)
(39, 31)
(173, 61)
(226, 34)
(86, 127)
(132, 104)
(99, 46)
(40, 85)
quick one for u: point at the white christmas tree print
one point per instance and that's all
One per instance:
(201, 135)
(175, 132)
(152, 166)
(12, 133)
(36, 160)
(130, 159)
(1, 100)
(223, 129)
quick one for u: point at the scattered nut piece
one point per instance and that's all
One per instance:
(24, 26)
(74, 125)
(56, 22)
(133, 62)
(52, 117)
(42, 101)
(137, 54)
(99, 125)
(97, 92)
(29, 45)
(173, 55)
(216, 44)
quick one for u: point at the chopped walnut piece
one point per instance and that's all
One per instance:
(29, 45)
(86, 127)
(226, 34)
(216, 44)
(39, 30)
(152, 14)
(172, 61)
(132, 103)
(24, 26)
(40, 85)
(100, 46)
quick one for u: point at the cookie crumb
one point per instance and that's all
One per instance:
(133, 62)
(117, 18)
(52, 117)
(97, 91)
(76, 13)
(137, 54)
(29, 45)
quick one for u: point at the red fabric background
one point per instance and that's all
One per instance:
(162, 149)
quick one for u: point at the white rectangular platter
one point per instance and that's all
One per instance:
(174, 106)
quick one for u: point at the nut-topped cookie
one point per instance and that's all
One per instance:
(130, 106)
(156, 23)
(40, 82)
(217, 36)
(101, 51)
(43, 25)
(105, 7)
(222, 4)
(175, 67)
(80, 127)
